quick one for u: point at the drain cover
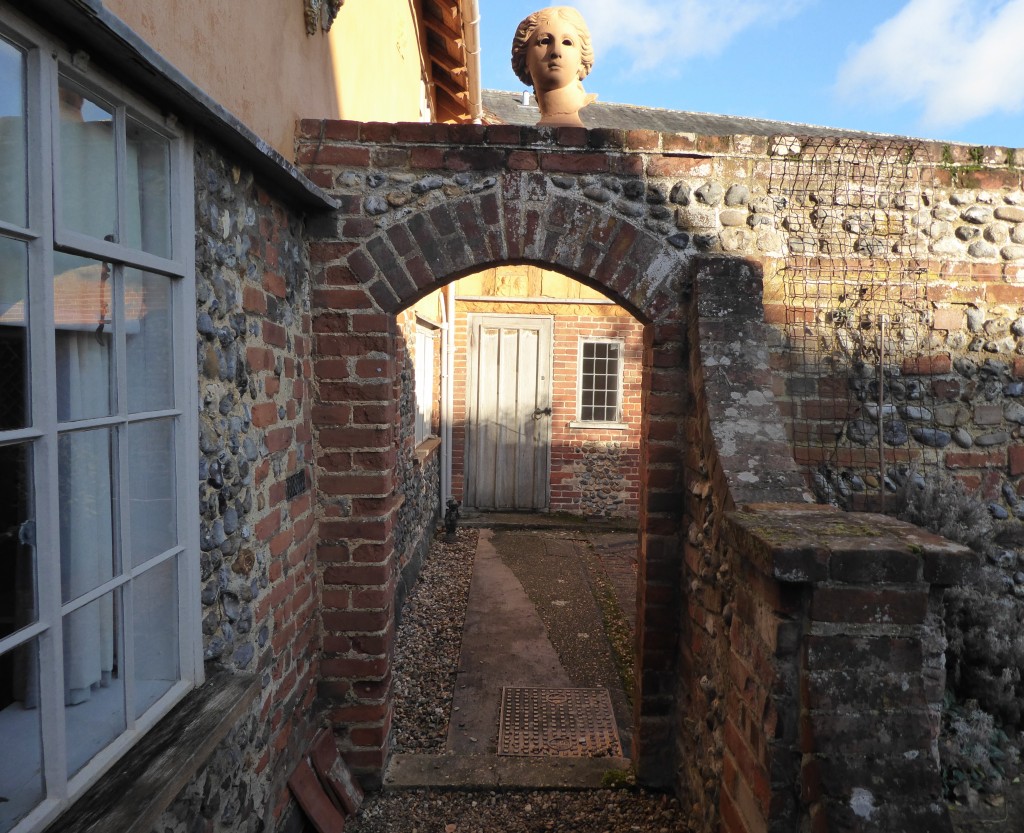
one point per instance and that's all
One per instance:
(558, 722)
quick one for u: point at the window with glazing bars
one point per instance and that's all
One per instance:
(600, 393)
(98, 517)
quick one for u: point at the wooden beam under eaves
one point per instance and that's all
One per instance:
(443, 31)
(459, 95)
(447, 63)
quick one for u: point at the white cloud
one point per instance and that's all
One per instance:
(662, 34)
(957, 60)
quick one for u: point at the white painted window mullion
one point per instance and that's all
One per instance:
(43, 124)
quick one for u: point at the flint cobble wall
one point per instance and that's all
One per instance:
(260, 591)
(644, 217)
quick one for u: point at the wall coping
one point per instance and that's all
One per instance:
(638, 141)
(796, 543)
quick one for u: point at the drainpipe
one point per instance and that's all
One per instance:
(471, 33)
(447, 390)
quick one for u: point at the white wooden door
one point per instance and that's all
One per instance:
(509, 412)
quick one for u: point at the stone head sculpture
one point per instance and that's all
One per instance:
(551, 51)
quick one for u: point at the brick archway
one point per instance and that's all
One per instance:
(368, 271)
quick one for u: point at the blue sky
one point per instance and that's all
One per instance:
(940, 69)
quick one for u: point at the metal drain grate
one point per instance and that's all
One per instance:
(558, 722)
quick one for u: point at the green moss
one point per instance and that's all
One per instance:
(618, 779)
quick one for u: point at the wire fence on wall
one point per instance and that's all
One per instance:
(856, 358)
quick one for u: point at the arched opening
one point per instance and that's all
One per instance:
(365, 521)
(519, 392)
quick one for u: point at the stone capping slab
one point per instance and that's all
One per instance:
(131, 796)
(812, 544)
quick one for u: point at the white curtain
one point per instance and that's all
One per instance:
(83, 310)
(83, 372)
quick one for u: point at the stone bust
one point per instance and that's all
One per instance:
(552, 52)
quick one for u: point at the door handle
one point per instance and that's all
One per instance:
(539, 412)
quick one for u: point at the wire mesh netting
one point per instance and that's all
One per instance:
(859, 392)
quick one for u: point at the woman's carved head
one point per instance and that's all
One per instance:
(562, 20)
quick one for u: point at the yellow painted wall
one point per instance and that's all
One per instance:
(255, 59)
(535, 283)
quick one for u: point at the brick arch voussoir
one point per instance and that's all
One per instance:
(589, 242)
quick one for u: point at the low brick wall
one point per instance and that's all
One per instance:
(805, 629)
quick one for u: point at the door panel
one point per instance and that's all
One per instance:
(509, 437)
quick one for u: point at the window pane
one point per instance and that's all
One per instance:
(86, 519)
(147, 192)
(147, 322)
(82, 317)
(14, 411)
(155, 633)
(88, 167)
(151, 489)
(21, 764)
(17, 556)
(13, 168)
(94, 710)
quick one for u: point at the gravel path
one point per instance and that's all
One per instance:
(427, 655)
(598, 811)
(428, 642)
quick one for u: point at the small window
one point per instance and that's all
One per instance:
(600, 381)
(426, 341)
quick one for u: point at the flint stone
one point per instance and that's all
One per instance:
(932, 437)
(917, 413)
(978, 214)
(895, 432)
(597, 194)
(861, 431)
(962, 437)
(1010, 213)
(427, 183)
(998, 512)
(710, 193)
(680, 194)
(737, 195)
(981, 249)
(993, 438)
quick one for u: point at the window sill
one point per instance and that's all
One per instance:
(598, 426)
(426, 448)
(131, 797)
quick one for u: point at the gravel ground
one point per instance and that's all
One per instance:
(428, 642)
(598, 811)
(427, 652)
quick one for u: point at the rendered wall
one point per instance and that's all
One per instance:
(255, 59)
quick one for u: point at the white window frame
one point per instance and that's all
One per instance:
(46, 60)
(426, 336)
(580, 421)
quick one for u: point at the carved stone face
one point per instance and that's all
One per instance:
(553, 56)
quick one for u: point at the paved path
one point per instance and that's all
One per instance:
(505, 643)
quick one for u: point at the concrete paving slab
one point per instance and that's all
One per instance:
(490, 772)
(499, 614)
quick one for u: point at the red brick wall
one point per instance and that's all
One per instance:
(572, 448)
